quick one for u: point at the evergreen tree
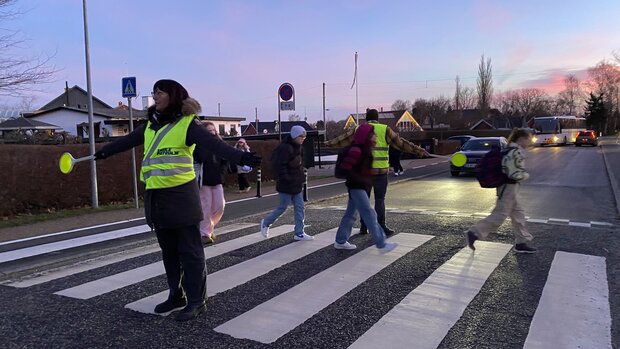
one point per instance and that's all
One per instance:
(596, 112)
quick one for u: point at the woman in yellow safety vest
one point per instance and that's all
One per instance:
(172, 200)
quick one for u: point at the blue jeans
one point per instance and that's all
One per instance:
(359, 201)
(298, 206)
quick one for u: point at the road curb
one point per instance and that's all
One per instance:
(612, 178)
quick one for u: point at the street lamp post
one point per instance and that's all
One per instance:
(91, 125)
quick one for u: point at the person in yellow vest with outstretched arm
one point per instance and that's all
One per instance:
(386, 137)
(172, 200)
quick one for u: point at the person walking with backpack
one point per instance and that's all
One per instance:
(171, 200)
(507, 204)
(386, 137)
(289, 164)
(211, 180)
(356, 166)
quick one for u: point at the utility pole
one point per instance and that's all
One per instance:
(324, 124)
(218, 110)
(91, 126)
(256, 115)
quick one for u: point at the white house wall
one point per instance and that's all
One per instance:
(69, 119)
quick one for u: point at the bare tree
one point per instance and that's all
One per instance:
(571, 97)
(604, 79)
(468, 98)
(400, 104)
(457, 94)
(485, 85)
(19, 74)
(294, 117)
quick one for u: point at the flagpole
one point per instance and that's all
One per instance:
(357, 113)
(357, 117)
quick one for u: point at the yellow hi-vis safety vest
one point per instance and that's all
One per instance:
(167, 161)
(380, 152)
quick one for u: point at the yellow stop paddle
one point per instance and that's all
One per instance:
(66, 162)
(458, 159)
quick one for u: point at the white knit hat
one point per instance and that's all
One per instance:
(297, 131)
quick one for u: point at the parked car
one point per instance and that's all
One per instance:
(474, 149)
(586, 137)
(461, 138)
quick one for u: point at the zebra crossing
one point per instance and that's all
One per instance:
(573, 310)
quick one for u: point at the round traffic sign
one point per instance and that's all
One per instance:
(286, 92)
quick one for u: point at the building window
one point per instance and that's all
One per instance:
(222, 129)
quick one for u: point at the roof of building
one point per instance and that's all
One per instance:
(74, 97)
(22, 123)
(104, 112)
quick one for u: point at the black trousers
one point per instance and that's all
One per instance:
(184, 261)
(243, 181)
(379, 185)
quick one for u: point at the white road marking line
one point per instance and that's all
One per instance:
(573, 311)
(427, 313)
(241, 273)
(272, 319)
(578, 224)
(535, 220)
(602, 223)
(66, 244)
(133, 276)
(94, 263)
(559, 220)
(68, 231)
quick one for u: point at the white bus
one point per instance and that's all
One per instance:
(558, 130)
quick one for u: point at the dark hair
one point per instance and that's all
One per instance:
(518, 133)
(372, 114)
(177, 94)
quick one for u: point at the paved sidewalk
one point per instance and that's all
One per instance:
(316, 177)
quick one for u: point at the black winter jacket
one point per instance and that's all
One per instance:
(177, 206)
(290, 167)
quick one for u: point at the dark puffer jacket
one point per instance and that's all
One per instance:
(290, 167)
(177, 206)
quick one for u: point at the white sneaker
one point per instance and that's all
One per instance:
(303, 237)
(345, 246)
(389, 246)
(395, 174)
(264, 230)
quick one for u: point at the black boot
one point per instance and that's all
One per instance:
(170, 305)
(191, 311)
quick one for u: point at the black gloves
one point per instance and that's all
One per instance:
(99, 155)
(250, 159)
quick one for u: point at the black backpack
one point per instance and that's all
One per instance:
(490, 174)
(339, 172)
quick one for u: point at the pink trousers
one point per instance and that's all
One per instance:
(212, 201)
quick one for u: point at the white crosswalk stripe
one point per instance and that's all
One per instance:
(130, 277)
(573, 310)
(274, 318)
(238, 274)
(99, 262)
(431, 309)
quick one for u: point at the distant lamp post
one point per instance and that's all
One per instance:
(91, 126)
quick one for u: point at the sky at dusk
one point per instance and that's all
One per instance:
(237, 53)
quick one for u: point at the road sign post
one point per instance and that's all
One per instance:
(129, 91)
(286, 101)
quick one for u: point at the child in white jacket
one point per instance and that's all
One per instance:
(507, 204)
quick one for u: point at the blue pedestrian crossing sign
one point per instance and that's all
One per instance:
(129, 87)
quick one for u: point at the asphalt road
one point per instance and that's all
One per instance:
(568, 194)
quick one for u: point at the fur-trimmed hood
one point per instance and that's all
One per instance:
(190, 106)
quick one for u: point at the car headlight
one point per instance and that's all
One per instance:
(534, 139)
(555, 139)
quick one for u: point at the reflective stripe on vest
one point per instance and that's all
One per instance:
(167, 161)
(380, 152)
